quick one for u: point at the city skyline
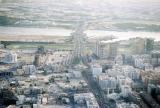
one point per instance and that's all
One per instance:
(79, 54)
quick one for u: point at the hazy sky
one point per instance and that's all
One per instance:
(102, 0)
(120, 15)
(138, 1)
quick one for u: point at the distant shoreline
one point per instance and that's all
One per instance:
(20, 33)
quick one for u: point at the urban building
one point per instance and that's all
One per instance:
(115, 71)
(119, 60)
(10, 57)
(87, 98)
(126, 90)
(155, 61)
(124, 70)
(76, 73)
(150, 77)
(140, 60)
(122, 80)
(106, 50)
(138, 45)
(126, 105)
(148, 67)
(131, 72)
(96, 70)
(29, 69)
(79, 39)
(107, 83)
(157, 69)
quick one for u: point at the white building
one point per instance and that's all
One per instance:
(157, 69)
(126, 105)
(140, 60)
(107, 83)
(76, 73)
(87, 98)
(125, 90)
(135, 75)
(119, 60)
(29, 69)
(148, 67)
(131, 72)
(122, 80)
(21, 99)
(91, 103)
(96, 70)
(10, 57)
(138, 63)
(124, 70)
(115, 71)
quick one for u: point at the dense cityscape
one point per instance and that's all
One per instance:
(44, 69)
(91, 74)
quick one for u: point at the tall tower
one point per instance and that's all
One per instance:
(97, 48)
(79, 39)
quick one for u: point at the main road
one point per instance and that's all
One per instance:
(94, 87)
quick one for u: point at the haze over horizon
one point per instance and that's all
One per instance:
(104, 15)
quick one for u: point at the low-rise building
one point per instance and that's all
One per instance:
(124, 70)
(29, 69)
(10, 57)
(87, 98)
(115, 71)
(76, 73)
(157, 69)
(126, 105)
(148, 67)
(150, 77)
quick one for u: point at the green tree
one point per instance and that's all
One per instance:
(5, 43)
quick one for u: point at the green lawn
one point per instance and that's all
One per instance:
(36, 45)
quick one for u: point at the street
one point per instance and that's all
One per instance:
(94, 87)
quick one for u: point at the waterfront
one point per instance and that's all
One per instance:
(21, 31)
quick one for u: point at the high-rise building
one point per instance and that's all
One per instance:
(149, 45)
(138, 45)
(97, 52)
(106, 50)
(119, 60)
(96, 70)
(79, 38)
(37, 60)
(126, 90)
(155, 61)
